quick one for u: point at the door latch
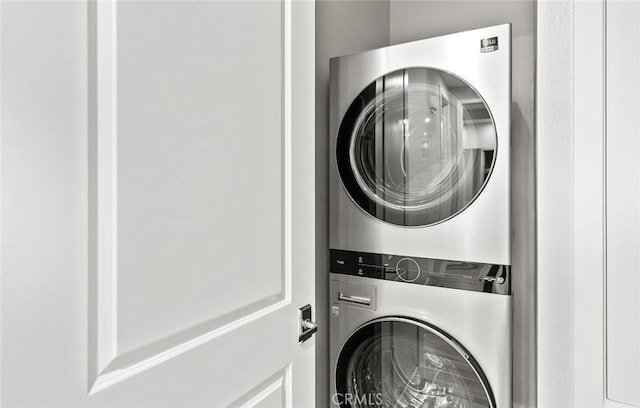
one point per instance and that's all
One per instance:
(307, 327)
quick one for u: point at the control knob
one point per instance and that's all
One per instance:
(407, 269)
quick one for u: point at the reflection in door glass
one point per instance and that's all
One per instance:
(396, 363)
(416, 147)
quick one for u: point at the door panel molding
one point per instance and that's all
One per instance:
(589, 221)
(280, 382)
(622, 198)
(105, 364)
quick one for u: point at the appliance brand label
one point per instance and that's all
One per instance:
(489, 44)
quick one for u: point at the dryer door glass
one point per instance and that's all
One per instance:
(416, 147)
(398, 362)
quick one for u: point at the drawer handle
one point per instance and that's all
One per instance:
(359, 300)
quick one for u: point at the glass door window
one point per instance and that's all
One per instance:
(398, 362)
(416, 147)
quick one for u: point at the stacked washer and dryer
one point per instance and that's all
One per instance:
(420, 224)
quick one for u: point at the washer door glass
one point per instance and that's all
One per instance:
(416, 147)
(396, 362)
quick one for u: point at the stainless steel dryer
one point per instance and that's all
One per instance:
(419, 149)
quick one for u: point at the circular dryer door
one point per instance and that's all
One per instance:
(416, 147)
(398, 362)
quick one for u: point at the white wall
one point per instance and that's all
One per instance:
(606, 54)
(554, 120)
(342, 27)
(411, 20)
(588, 209)
(623, 201)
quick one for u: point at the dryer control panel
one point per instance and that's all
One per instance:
(473, 276)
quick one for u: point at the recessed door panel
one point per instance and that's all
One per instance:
(199, 164)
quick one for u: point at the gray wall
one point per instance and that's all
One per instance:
(342, 27)
(413, 20)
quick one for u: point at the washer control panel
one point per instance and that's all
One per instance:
(408, 269)
(473, 276)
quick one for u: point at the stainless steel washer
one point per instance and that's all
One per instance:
(443, 340)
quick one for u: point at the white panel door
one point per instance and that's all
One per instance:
(157, 221)
(623, 201)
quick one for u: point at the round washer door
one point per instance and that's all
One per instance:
(399, 362)
(416, 147)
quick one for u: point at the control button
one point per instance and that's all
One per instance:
(367, 272)
(407, 269)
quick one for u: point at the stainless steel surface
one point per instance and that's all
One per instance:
(308, 325)
(481, 232)
(479, 322)
(354, 299)
(343, 291)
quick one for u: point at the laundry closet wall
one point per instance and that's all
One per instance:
(342, 27)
